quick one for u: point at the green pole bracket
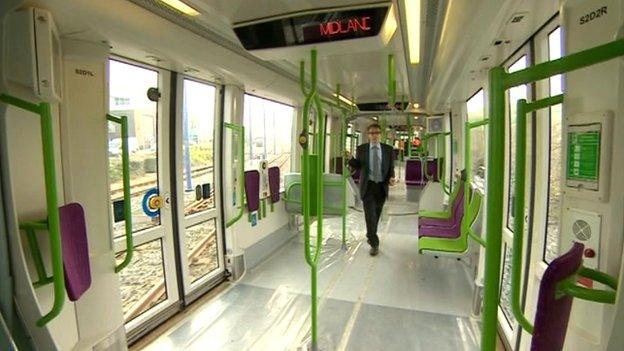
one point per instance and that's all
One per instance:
(240, 131)
(33, 243)
(523, 109)
(49, 166)
(500, 81)
(125, 164)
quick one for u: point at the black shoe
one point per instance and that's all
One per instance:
(374, 250)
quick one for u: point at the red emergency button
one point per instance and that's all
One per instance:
(590, 253)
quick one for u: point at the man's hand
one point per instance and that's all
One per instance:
(347, 154)
(392, 181)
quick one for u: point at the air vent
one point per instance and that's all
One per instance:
(518, 17)
(498, 42)
(581, 230)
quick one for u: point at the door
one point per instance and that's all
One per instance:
(198, 187)
(149, 282)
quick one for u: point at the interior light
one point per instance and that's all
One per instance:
(345, 100)
(390, 26)
(182, 7)
(412, 14)
(416, 105)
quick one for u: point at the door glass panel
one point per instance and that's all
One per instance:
(201, 246)
(551, 248)
(143, 281)
(505, 293)
(198, 146)
(268, 134)
(515, 94)
(128, 97)
(476, 112)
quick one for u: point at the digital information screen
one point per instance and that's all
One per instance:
(312, 28)
(583, 162)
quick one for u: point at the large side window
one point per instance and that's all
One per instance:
(268, 129)
(476, 112)
(551, 248)
(515, 94)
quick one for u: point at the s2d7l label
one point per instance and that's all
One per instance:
(593, 15)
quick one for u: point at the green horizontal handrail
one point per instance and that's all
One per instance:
(499, 82)
(569, 287)
(125, 166)
(240, 130)
(49, 166)
(519, 189)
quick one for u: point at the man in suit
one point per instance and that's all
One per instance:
(376, 165)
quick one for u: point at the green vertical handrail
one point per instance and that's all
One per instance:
(240, 130)
(49, 166)
(125, 165)
(500, 81)
(312, 98)
(391, 82)
(523, 108)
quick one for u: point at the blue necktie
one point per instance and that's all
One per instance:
(376, 171)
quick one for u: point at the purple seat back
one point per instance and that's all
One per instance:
(274, 183)
(356, 176)
(457, 213)
(413, 172)
(75, 250)
(553, 314)
(338, 161)
(432, 169)
(252, 190)
(453, 229)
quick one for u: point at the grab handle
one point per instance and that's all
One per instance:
(125, 165)
(49, 167)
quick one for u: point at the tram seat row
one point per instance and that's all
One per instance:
(453, 240)
(444, 228)
(416, 175)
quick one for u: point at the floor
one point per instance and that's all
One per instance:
(398, 300)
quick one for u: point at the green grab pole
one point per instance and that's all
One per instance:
(391, 81)
(522, 108)
(240, 130)
(478, 124)
(565, 64)
(494, 208)
(49, 164)
(25, 105)
(599, 277)
(410, 132)
(125, 165)
(343, 140)
(570, 288)
(36, 255)
(518, 223)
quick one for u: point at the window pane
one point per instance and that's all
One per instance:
(551, 249)
(128, 97)
(197, 146)
(476, 112)
(515, 94)
(268, 129)
(505, 293)
(201, 248)
(143, 281)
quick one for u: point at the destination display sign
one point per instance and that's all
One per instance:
(312, 28)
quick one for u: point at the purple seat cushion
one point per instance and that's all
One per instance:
(75, 250)
(552, 316)
(438, 232)
(274, 183)
(438, 222)
(252, 190)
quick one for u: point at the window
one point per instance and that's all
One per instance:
(476, 112)
(515, 94)
(551, 247)
(268, 133)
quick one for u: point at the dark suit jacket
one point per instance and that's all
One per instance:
(361, 162)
